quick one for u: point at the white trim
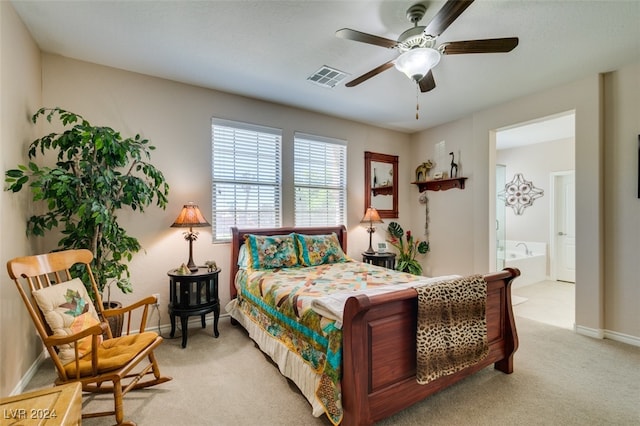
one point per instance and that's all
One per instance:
(31, 372)
(620, 337)
(318, 138)
(598, 333)
(258, 128)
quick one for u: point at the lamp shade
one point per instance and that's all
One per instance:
(415, 63)
(190, 216)
(371, 216)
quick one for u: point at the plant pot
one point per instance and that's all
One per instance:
(115, 323)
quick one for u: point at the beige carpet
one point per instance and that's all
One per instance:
(560, 378)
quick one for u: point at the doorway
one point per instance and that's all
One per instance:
(543, 151)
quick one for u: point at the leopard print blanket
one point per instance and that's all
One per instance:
(452, 327)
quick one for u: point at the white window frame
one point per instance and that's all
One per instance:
(328, 187)
(236, 178)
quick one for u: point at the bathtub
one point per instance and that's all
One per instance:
(532, 265)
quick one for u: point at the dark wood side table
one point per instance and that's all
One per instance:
(386, 260)
(193, 294)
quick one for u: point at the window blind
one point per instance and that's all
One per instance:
(320, 180)
(246, 177)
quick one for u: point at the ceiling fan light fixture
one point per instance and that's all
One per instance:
(415, 63)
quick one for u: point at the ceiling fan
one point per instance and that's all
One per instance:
(417, 45)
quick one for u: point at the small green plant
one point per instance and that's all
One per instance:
(407, 250)
(97, 174)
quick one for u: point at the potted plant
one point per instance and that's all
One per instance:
(407, 250)
(97, 173)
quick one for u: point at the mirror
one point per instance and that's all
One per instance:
(381, 183)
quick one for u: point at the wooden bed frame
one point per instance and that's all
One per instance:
(379, 340)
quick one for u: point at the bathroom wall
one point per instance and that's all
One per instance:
(536, 162)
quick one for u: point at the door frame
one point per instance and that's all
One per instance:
(553, 226)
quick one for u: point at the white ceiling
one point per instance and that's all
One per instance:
(267, 49)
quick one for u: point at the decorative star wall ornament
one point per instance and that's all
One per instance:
(519, 194)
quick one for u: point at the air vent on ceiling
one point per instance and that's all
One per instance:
(327, 77)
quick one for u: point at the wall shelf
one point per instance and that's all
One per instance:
(441, 184)
(382, 190)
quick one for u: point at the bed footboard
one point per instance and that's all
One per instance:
(379, 350)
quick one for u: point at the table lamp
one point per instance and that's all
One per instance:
(371, 216)
(190, 217)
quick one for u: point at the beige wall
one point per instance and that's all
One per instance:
(451, 213)
(536, 162)
(21, 95)
(176, 118)
(606, 289)
(622, 205)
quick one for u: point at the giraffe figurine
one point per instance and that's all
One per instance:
(454, 167)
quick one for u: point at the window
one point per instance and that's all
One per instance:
(320, 180)
(246, 183)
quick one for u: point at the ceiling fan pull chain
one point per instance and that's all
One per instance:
(417, 99)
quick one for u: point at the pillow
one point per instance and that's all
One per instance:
(243, 257)
(273, 251)
(320, 249)
(68, 309)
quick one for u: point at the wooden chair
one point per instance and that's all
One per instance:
(115, 365)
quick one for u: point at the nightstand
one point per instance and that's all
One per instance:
(193, 294)
(386, 260)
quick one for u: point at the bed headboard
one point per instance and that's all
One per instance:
(237, 239)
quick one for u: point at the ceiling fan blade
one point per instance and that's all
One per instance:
(354, 35)
(372, 73)
(427, 83)
(445, 16)
(492, 45)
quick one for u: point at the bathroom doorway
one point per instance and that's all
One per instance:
(539, 237)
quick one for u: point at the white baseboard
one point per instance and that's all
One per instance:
(608, 334)
(624, 338)
(590, 332)
(24, 381)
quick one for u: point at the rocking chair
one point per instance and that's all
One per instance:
(75, 332)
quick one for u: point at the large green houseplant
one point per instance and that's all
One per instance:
(97, 173)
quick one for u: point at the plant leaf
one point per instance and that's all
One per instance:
(395, 230)
(97, 173)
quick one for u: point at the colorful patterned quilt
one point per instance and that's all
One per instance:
(280, 302)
